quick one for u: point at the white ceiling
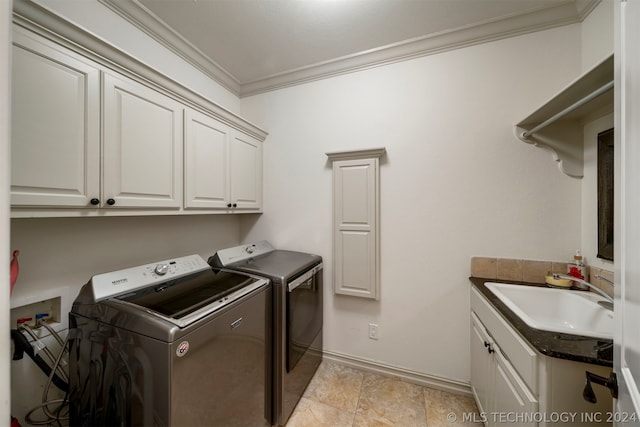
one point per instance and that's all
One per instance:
(252, 46)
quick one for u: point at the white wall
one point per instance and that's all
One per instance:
(5, 108)
(60, 252)
(102, 22)
(456, 183)
(597, 44)
(597, 35)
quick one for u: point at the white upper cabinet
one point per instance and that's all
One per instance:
(245, 172)
(223, 167)
(206, 153)
(55, 128)
(142, 146)
(96, 133)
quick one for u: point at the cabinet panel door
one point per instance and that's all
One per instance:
(355, 241)
(245, 168)
(512, 397)
(55, 127)
(481, 365)
(206, 162)
(142, 145)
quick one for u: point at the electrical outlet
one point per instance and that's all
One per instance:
(373, 331)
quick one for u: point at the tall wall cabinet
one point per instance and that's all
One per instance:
(97, 133)
(356, 222)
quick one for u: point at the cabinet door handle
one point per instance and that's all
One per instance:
(111, 202)
(488, 346)
(611, 383)
(94, 201)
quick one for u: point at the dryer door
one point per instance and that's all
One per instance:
(304, 314)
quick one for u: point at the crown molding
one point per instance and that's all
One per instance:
(142, 18)
(364, 153)
(491, 30)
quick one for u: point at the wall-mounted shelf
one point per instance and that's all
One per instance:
(557, 125)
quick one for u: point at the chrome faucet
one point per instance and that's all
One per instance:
(590, 286)
(597, 276)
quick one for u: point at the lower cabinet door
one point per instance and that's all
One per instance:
(481, 365)
(514, 404)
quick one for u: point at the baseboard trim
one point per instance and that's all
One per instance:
(418, 378)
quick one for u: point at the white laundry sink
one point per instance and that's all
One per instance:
(557, 310)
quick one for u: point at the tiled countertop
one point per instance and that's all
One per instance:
(553, 344)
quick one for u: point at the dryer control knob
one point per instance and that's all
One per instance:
(161, 269)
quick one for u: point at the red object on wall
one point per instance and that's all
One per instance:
(15, 269)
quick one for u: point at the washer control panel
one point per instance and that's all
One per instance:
(118, 282)
(229, 256)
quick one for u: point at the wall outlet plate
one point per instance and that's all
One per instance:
(373, 331)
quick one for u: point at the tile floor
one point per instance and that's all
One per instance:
(341, 396)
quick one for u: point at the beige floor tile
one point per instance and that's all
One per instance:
(309, 413)
(336, 385)
(390, 402)
(449, 410)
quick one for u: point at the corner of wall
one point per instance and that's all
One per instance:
(597, 35)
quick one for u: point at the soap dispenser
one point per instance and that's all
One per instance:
(576, 268)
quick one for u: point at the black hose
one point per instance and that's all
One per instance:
(22, 346)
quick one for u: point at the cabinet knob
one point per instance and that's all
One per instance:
(235, 205)
(490, 350)
(229, 205)
(94, 201)
(111, 202)
(487, 344)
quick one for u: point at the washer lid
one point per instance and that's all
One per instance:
(277, 265)
(180, 298)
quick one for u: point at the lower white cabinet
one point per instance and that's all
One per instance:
(497, 387)
(515, 385)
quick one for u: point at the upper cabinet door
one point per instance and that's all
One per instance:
(55, 125)
(142, 146)
(245, 165)
(206, 152)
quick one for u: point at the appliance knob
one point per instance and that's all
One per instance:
(161, 269)
(111, 202)
(94, 201)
